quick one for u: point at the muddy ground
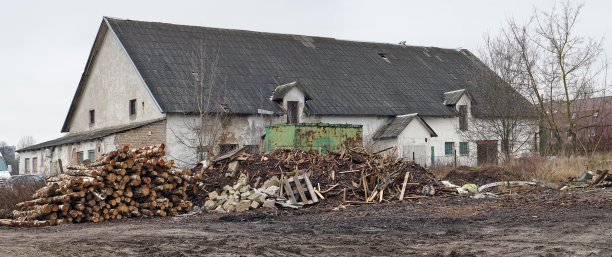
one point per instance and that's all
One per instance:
(550, 224)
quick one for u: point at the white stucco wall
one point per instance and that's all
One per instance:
(240, 129)
(112, 82)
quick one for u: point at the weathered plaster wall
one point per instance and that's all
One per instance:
(112, 82)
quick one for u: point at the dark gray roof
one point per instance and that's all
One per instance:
(396, 125)
(89, 135)
(342, 77)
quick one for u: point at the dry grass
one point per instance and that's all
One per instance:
(558, 169)
(547, 169)
(9, 197)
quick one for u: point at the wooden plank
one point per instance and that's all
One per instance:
(401, 197)
(290, 192)
(313, 195)
(298, 186)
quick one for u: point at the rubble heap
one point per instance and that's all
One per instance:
(351, 176)
(124, 183)
(241, 197)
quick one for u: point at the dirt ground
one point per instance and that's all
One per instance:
(551, 224)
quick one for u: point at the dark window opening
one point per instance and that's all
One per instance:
(92, 116)
(133, 107)
(463, 118)
(292, 112)
(226, 148)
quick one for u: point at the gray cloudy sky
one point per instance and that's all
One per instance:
(45, 44)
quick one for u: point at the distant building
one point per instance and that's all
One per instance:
(138, 89)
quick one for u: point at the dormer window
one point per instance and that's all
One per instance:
(595, 114)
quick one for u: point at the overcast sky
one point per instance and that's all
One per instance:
(45, 44)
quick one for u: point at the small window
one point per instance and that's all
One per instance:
(501, 145)
(573, 116)
(91, 156)
(595, 114)
(80, 157)
(448, 148)
(133, 107)
(92, 116)
(593, 132)
(27, 165)
(34, 164)
(464, 148)
(463, 118)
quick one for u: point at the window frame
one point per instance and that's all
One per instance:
(132, 107)
(464, 146)
(27, 165)
(91, 155)
(447, 149)
(80, 157)
(34, 164)
(92, 117)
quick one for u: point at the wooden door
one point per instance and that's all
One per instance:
(292, 112)
(487, 152)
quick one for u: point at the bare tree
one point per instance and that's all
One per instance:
(557, 67)
(501, 113)
(205, 113)
(25, 142)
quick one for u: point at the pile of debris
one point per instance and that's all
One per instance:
(353, 176)
(124, 183)
(242, 197)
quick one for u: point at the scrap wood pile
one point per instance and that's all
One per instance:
(124, 183)
(351, 176)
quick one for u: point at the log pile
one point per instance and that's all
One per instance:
(123, 183)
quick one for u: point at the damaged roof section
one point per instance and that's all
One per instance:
(281, 91)
(396, 125)
(453, 97)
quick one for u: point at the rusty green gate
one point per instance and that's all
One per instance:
(313, 136)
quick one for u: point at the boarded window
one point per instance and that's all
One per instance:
(27, 165)
(34, 164)
(80, 158)
(464, 148)
(92, 116)
(91, 155)
(463, 118)
(133, 107)
(448, 148)
(292, 112)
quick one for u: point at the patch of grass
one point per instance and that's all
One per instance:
(474, 168)
(558, 169)
(9, 197)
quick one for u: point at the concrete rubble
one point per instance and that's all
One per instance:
(242, 197)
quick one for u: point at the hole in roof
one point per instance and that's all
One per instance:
(384, 56)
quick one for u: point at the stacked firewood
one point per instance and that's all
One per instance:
(124, 183)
